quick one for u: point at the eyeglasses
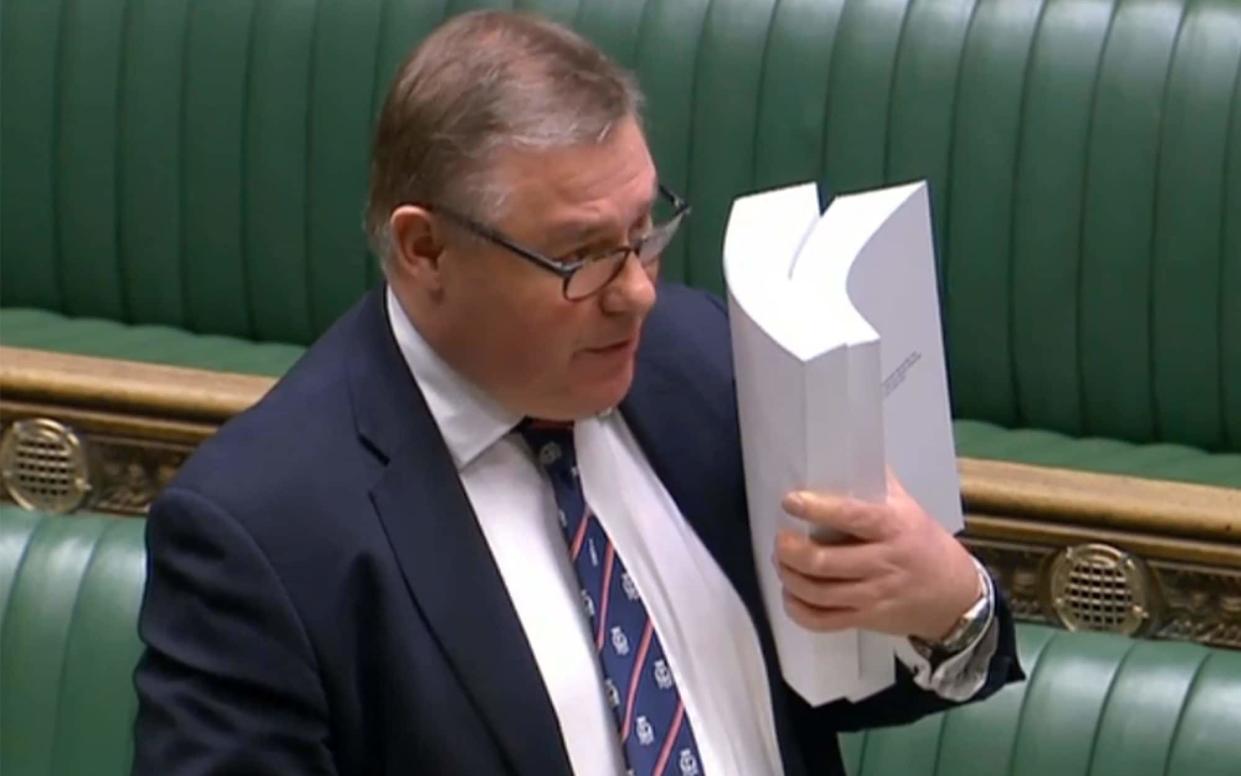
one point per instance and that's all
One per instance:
(587, 276)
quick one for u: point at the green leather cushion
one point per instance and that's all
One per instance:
(168, 345)
(29, 328)
(1161, 461)
(1097, 704)
(69, 596)
(1094, 705)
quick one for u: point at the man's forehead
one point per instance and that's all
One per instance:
(579, 186)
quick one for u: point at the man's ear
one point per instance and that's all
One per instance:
(417, 245)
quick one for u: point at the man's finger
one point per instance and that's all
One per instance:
(825, 561)
(828, 594)
(861, 519)
(816, 619)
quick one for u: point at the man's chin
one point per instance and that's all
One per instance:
(604, 395)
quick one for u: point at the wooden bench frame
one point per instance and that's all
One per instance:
(138, 422)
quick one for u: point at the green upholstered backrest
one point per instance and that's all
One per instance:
(203, 165)
(1094, 705)
(70, 589)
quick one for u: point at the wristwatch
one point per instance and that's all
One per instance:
(968, 629)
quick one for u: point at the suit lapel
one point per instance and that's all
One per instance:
(444, 556)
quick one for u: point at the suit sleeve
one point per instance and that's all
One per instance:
(228, 682)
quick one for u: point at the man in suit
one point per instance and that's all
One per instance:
(494, 521)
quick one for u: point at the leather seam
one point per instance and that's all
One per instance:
(1084, 418)
(1025, 699)
(832, 70)
(1232, 431)
(1014, 376)
(762, 81)
(678, 251)
(898, 50)
(949, 161)
(17, 575)
(635, 50)
(187, 307)
(1107, 697)
(118, 172)
(1180, 714)
(377, 93)
(68, 640)
(385, 9)
(243, 249)
(577, 15)
(861, 758)
(58, 74)
(947, 716)
(693, 114)
(1153, 242)
(309, 167)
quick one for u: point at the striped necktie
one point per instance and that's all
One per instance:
(650, 715)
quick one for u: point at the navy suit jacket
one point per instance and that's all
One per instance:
(321, 599)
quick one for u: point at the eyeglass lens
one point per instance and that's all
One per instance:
(596, 274)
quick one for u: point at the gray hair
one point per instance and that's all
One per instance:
(481, 83)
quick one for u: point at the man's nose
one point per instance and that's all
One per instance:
(632, 291)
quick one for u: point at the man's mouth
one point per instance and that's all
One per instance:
(615, 348)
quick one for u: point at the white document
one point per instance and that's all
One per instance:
(840, 375)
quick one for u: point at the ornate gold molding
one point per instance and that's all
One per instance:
(124, 471)
(1204, 604)
(1187, 601)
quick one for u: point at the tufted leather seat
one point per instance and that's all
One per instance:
(1095, 704)
(201, 167)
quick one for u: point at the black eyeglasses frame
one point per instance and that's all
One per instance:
(565, 270)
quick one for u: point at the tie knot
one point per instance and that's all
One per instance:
(550, 440)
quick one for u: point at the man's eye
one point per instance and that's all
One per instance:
(581, 254)
(587, 252)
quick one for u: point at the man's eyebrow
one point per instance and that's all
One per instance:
(569, 233)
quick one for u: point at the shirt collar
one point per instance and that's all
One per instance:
(470, 420)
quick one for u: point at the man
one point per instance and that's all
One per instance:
(435, 547)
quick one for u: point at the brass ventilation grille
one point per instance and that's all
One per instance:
(1099, 587)
(43, 466)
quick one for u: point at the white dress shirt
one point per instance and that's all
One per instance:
(709, 640)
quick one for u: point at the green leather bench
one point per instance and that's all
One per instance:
(184, 181)
(1095, 704)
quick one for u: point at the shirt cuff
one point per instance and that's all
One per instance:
(960, 677)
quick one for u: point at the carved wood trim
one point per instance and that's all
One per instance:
(152, 390)
(1190, 601)
(1101, 500)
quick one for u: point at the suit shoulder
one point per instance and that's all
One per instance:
(687, 332)
(287, 450)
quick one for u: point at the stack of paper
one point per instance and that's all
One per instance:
(840, 375)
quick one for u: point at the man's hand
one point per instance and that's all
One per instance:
(896, 570)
